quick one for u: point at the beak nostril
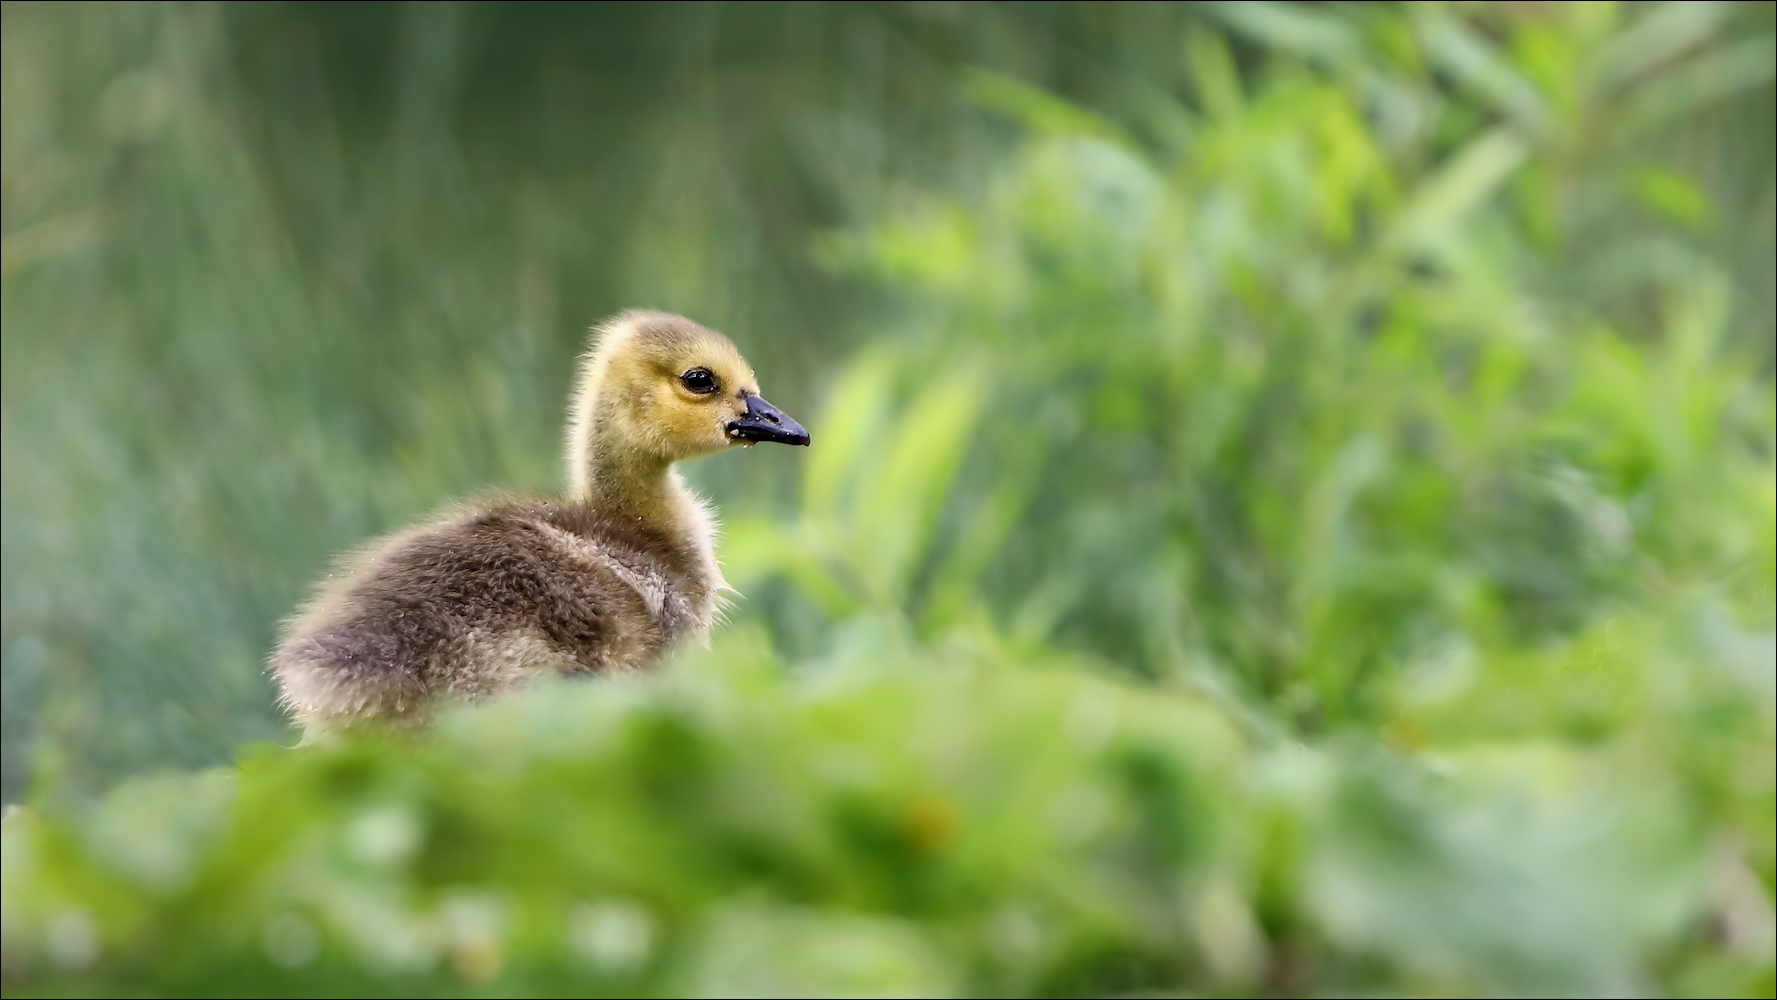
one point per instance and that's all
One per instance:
(764, 422)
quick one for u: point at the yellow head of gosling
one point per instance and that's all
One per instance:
(657, 388)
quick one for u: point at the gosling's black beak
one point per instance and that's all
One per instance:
(764, 422)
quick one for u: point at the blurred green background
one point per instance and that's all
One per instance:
(1291, 509)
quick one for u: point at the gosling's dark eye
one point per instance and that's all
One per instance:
(699, 380)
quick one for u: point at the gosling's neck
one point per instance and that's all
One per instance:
(647, 492)
(627, 486)
(632, 487)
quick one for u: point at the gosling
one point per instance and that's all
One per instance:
(492, 595)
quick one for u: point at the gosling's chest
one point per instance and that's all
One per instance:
(669, 586)
(667, 599)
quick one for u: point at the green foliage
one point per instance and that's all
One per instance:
(1299, 516)
(954, 821)
(1343, 425)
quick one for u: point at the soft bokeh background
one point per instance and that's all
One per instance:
(1291, 511)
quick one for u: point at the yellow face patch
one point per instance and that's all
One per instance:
(679, 386)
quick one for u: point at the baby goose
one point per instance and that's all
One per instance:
(494, 594)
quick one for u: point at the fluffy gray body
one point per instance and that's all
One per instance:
(487, 601)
